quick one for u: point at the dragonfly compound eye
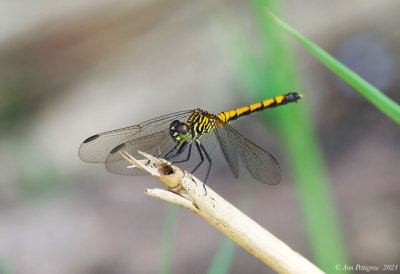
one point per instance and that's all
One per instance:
(182, 128)
(174, 124)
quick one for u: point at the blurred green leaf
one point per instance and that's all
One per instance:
(168, 238)
(223, 259)
(5, 268)
(372, 94)
(36, 177)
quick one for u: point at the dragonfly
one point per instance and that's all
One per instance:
(187, 138)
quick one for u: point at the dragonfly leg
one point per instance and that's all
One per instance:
(208, 159)
(179, 152)
(188, 155)
(202, 149)
(201, 157)
(166, 155)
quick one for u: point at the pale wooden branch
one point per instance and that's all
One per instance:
(187, 191)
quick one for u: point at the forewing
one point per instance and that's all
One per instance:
(259, 163)
(95, 149)
(156, 144)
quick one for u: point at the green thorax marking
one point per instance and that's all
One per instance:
(181, 138)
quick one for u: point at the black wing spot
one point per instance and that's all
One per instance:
(94, 137)
(117, 148)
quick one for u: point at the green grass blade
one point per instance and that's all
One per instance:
(5, 268)
(372, 94)
(168, 238)
(223, 259)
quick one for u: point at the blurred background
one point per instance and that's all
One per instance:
(72, 69)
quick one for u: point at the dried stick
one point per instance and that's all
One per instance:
(187, 191)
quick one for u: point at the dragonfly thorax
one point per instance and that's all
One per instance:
(180, 132)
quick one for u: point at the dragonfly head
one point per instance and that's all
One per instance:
(179, 131)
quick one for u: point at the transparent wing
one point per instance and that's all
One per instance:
(158, 144)
(95, 149)
(151, 137)
(260, 164)
(223, 137)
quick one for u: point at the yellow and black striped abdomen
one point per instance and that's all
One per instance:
(270, 103)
